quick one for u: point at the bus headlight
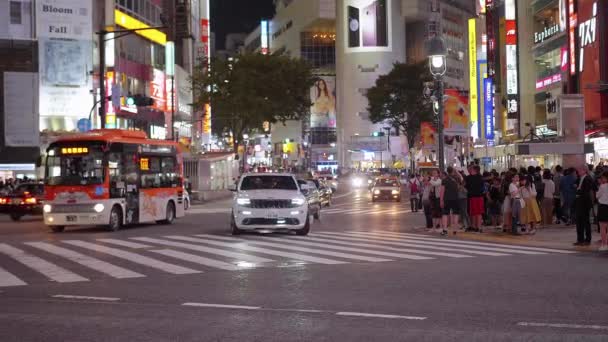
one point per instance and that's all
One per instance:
(46, 208)
(376, 192)
(98, 207)
(395, 192)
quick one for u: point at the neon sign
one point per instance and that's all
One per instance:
(587, 35)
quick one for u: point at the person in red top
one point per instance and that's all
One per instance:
(475, 189)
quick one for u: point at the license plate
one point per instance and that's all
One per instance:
(16, 201)
(272, 215)
(71, 218)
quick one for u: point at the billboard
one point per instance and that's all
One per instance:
(323, 99)
(488, 108)
(473, 68)
(367, 25)
(428, 136)
(64, 29)
(456, 113)
(20, 110)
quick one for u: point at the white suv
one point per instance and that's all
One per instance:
(268, 202)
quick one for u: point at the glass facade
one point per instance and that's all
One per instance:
(319, 49)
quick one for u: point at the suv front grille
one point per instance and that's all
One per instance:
(270, 204)
(270, 222)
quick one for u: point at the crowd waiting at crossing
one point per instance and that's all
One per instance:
(516, 201)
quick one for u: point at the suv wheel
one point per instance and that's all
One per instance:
(234, 230)
(306, 229)
(57, 229)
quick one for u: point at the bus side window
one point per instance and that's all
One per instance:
(117, 177)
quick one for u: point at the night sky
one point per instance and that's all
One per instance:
(237, 16)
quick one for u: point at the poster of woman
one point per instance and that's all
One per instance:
(323, 98)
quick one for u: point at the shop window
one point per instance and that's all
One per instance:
(15, 12)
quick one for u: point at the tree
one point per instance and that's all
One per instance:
(252, 89)
(397, 99)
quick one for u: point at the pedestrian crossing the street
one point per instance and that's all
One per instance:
(73, 261)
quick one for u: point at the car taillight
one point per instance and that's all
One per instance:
(30, 200)
(3, 200)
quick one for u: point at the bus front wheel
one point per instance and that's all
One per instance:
(115, 219)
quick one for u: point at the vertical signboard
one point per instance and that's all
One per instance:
(20, 112)
(323, 99)
(158, 90)
(456, 113)
(488, 108)
(589, 58)
(512, 64)
(64, 29)
(473, 69)
(572, 36)
(264, 36)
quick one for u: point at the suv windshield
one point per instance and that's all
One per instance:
(386, 182)
(74, 166)
(268, 183)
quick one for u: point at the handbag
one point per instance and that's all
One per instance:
(522, 203)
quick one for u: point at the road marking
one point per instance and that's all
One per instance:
(123, 243)
(222, 306)
(369, 245)
(106, 299)
(454, 243)
(262, 250)
(343, 195)
(8, 279)
(208, 211)
(197, 259)
(392, 242)
(562, 325)
(198, 248)
(51, 271)
(309, 250)
(96, 264)
(363, 211)
(363, 314)
(133, 257)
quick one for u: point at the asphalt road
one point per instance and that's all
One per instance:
(362, 275)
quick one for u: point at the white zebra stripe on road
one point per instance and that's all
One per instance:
(438, 242)
(133, 257)
(304, 249)
(123, 243)
(95, 264)
(244, 247)
(406, 244)
(8, 279)
(205, 249)
(49, 270)
(197, 259)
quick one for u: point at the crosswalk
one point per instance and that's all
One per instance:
(79, 261)
(365, 210)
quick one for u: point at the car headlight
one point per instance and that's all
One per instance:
(376, 192)
(243, 201)
(395, 192)
(297, 201)
(98, 207)
(46, 208)
(369, 181)
(357, 182)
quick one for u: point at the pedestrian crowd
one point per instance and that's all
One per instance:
(516, 201)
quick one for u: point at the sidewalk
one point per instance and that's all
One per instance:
(555, 236)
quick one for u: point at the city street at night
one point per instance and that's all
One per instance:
(365, 272)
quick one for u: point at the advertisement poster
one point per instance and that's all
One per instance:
(64, 29)
(456, 113)
(323, 98)
(158, 90)
(488, 105)
(367, 25)
(428, 136)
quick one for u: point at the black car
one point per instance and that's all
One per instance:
(25, 199)
(313, 197)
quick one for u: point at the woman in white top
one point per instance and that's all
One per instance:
(516, 207)
(547, 204)
(602, 210)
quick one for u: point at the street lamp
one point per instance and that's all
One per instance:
(436, 52)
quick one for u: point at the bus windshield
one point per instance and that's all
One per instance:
(81, 165)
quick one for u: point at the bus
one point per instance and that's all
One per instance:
(112, 178)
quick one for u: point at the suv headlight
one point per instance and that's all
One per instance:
(98, 207)
(297, 201)
(46, 208)
(395, 192)
(376, 192)
(243, 201)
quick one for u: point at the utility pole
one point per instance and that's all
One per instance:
(102, 77)
(440, 134)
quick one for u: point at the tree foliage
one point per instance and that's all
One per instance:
(397, 99)
(251, 89)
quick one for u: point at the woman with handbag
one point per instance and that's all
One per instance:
(530, 215)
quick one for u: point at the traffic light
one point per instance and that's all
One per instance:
(139, 101)
(377, 134)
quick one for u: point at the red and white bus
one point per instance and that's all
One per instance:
(112, 178)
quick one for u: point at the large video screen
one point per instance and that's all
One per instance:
(367, 25)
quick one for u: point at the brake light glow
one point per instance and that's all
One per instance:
(3, 200)
(30, 200)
